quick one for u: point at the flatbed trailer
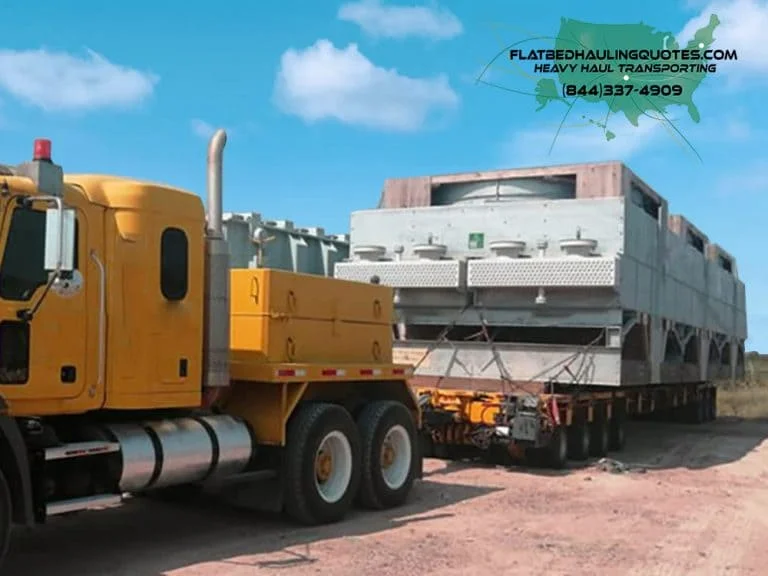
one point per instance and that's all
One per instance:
(550, 428)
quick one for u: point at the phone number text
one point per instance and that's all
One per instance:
(621, 90)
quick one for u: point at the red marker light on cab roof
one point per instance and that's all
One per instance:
(42, 150)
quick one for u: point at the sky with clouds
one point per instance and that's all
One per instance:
(324, 100)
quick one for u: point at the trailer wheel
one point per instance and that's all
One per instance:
(598, 437)
(617, 433)
(557, 451)
(712, 404)
(389, 454)
(578, 441)
(6, 513)
(700, 409)
(321, 470)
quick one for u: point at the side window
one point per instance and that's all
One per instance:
(22, 270)
(174, 264)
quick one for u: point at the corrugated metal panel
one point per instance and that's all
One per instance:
(280, 244)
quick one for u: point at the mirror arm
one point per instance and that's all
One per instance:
(28, 314)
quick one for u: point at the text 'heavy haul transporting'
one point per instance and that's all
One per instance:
(543, 306)
(135, 358)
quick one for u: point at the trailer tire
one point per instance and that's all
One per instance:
(598, 437)
(578, 441)
(557, 451)
(712, 404)
(314, 427)
(700, 409)
(617, 437)
(386, 429)
(6, 515)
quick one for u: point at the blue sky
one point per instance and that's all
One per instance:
(324, 100)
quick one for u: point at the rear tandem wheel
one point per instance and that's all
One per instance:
(389, 454)
(321, 469)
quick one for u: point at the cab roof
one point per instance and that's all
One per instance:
(129, 194)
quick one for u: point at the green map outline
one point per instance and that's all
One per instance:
(580, 35)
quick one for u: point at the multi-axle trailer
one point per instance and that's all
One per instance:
(542, 307)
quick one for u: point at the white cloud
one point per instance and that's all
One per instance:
(742, 27)
(57, 81)
(202, 128)
(391, 21)
(322, 82)
(582, 144)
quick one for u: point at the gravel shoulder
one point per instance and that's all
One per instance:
(693, 501)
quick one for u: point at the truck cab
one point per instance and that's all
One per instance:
(130, 253)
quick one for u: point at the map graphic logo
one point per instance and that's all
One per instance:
(629, 70)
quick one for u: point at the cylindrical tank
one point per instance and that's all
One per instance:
(169, 452)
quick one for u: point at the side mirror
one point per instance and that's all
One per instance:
(60, 239)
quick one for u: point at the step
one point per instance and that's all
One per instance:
(78, 449)
(79, 504)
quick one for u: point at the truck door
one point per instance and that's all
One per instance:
(44, 366)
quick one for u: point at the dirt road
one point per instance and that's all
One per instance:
(700, 507)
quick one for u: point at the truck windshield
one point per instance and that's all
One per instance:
(23, 267)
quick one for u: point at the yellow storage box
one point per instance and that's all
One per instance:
(285, 317)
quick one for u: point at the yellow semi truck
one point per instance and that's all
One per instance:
(134, 360)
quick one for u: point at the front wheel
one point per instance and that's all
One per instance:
(389, 454)
(321, 471)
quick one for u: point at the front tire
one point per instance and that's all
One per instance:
(321, 471)
(389, 454)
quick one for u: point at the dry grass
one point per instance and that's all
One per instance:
(743, 401)
(748, 399)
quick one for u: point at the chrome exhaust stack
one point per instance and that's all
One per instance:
(216, 300)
